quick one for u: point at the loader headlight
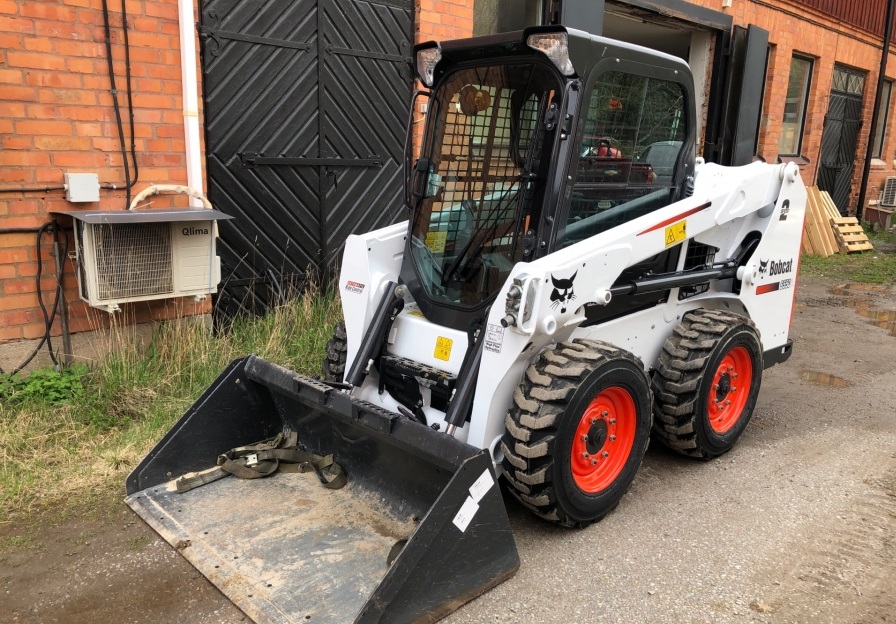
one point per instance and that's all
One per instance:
(427, 59)
(555, 45)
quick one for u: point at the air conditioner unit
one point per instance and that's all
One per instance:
(126, 256)
(888, 197)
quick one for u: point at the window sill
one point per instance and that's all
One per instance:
(799, 160)
(877, 163)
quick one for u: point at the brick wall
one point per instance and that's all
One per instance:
(794, 28)
(56, 116)
(443, 19)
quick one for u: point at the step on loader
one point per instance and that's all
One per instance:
(572, 281)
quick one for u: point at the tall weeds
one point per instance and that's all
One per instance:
(78, 451)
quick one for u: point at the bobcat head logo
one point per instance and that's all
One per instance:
(563, 292)
(763, 267)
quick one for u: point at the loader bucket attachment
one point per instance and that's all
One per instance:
(285, 549)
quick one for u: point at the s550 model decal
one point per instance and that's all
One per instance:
(774, 286)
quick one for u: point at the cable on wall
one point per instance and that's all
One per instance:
(129, 183)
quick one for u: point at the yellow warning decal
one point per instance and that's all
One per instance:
(443, 348)
(676, 233)
(435, 241)
(416, 312)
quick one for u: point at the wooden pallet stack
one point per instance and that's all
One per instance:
(826, 231)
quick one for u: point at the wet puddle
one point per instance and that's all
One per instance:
(885, 319)
(824, 379)
(864, 306)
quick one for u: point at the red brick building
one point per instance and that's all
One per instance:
(58, 110)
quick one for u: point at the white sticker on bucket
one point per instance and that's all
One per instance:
(465, 514)
(483, 484)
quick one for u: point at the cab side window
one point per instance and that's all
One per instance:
(634, 133)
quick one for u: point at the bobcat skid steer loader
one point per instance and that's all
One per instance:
(571, 280)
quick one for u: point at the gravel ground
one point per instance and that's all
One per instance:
(795, 525)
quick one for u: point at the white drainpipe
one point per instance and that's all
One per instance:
(190, 97)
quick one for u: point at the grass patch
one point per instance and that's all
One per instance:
(68, 440)
(868, 267)
(139, 542)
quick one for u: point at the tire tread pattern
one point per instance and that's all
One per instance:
(336, 354)
(531, 424)
(678, 373)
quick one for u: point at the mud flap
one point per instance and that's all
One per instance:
(285, 549)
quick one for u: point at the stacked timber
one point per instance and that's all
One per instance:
(826, 231)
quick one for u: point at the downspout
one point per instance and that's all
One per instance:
(190, 97)
(866, 171)
(186, 27)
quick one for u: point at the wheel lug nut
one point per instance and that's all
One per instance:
(734, 375)
(585, 455)
(585, 438)
(605, 413)
(594, 462)
(730, 368)
(715, 386)
(605, 454)
(612, 421)
(594, 421)
(612, 438)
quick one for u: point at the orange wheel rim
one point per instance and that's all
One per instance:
(730, 390)
(603, 440)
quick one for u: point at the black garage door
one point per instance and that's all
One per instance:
(305, 117)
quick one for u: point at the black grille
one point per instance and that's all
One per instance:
(698, 256)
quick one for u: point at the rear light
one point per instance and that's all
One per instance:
(556, 47)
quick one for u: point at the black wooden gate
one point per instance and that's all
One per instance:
(841, 135)
(305, 116)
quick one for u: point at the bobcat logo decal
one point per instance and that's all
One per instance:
(563, 292)
(763, 267)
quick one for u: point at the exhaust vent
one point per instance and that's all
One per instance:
(133, 260)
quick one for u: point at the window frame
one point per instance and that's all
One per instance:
(803, 110)
(883, 118)
(683, 163)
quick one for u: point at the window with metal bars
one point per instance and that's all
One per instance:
(634, 135)
(485, 147)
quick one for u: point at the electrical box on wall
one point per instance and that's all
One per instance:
(126, 256)
(82, 187)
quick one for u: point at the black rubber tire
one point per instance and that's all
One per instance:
(547, 408)
(684, 377)
(334, 360)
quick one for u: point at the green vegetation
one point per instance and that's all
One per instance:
(139, 542)
(68, 439)
(47, 386)
(869, 267)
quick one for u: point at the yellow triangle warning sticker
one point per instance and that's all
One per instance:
(676, 233)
